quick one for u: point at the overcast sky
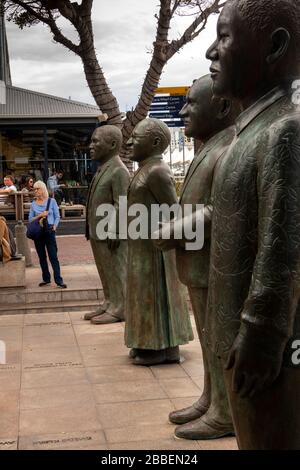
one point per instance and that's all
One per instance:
(124, 33)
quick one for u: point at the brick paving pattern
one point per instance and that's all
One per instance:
(68, 384)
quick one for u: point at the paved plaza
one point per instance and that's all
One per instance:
(68, 384)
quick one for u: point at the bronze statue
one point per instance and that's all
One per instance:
(207, 119)
(109, 183)
(253, 312)
(157, 319)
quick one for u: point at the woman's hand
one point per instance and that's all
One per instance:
(44, 214)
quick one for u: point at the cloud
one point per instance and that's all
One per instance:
(124, 33)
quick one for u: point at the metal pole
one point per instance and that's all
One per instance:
(46, 169)
(183, 152)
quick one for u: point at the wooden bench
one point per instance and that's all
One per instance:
(17, 204)
(74, 208)
(7, 204)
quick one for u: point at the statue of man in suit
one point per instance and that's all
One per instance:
(157, 318)
(253, 319)
(209, 120)
(109, 183)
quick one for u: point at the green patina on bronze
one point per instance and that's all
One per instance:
(109, 183)
(207, 119)
(156, 310)
(254, 285)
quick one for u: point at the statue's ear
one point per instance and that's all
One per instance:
(280, 40)
(113, 144)
(156, 142)
(225, 108)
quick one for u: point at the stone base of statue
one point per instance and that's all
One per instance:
(12, 273)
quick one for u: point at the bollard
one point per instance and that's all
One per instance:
(22, 242)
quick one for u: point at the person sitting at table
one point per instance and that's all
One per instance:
(55, 186)
(28, 187)
(9, 186)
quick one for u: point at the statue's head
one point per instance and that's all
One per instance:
(257, 47)
(105, 143)
(204, 114)
(150, 137)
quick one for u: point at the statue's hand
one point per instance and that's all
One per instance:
(165, 245)
(256, 362)
(113, 244)
(163, 238)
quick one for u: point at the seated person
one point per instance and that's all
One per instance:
(8, 249)
(9, 187)
(55, 186)
(28, 187)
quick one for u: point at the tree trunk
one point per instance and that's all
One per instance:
(100, 89)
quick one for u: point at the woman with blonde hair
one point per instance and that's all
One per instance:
(47, 240)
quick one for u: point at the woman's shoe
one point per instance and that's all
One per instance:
(41, 284)
(62, 286)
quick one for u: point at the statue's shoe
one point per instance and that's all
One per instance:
(104, 319)
(133, 353)
(201, 430)
(173, 355)
(90, 315)
(147, 357)
(99, 311)
(186, 415)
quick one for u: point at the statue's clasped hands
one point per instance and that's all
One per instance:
(256, 360)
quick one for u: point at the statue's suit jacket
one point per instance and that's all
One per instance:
(255, 254)
(110, 181)
(193, 266)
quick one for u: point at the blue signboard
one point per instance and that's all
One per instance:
(164, 115)
(167, 109)
(174, 123)
(169, 99)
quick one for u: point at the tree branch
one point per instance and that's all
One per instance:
(192, 32)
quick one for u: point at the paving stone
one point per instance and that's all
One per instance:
(32, 319)
(71, 440)
(199, 381)
(49, 342)
(180, 403)
(53, 376)
(9, 414)
(46, 397)
(47, 330)
(176, 388)
(226, 443)
(99, 355)
(169, 371)
(11, 320)
(88, 335)
(138, 433)
(10, 378)
(193, 367)
(125, 373)
(9, 443)
(144, 412)
(11, 334)
(51, 357)
(59, 420)
(162, 444)
(13, 356)
(77, 317)
(128, 391)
